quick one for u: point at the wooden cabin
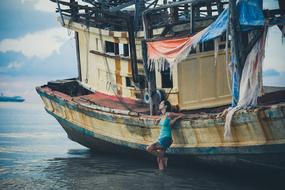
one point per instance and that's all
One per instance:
(105, 62)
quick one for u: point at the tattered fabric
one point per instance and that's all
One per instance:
(250, 82)
(167, 53)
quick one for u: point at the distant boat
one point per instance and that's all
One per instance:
(11, 99)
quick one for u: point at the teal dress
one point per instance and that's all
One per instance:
(165, 136)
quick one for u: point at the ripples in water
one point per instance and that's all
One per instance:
(36, 154)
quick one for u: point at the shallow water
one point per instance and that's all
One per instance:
(35, 153)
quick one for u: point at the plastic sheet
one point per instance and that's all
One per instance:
(167, 53)
(250, 85)
(217, 28)
(251, 13)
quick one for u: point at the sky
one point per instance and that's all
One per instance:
(34, 49)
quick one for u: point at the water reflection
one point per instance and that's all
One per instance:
(87, 170)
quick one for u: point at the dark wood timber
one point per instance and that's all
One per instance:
(235, 33)
(78, 55)
(114, 56)
(150, 76)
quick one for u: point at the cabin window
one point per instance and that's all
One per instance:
(111, 47)
(124, 49)
(166, 79)
(129, 82)
(207, 46)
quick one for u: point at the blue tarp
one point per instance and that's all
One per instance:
(251, 13)
(217, 28)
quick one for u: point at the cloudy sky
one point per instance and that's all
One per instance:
(34, 48)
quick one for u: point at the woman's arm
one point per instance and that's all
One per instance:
(157, 120)
(174, 117)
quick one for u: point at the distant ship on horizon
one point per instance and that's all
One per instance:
(11, 98)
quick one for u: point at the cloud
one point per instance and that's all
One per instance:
(11, 67)
(275, 80)
(39, 44)
(46, 5)
(14, 65)
(41, 5)
(270, 72)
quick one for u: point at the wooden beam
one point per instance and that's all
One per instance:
(78, 55)
(235, 33)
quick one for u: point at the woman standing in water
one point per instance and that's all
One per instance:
(166, 122)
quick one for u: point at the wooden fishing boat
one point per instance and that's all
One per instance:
(112, 105)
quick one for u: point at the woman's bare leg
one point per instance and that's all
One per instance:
(153, 149)
(160, 157)
(158, 151)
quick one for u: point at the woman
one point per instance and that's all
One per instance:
(166, 122)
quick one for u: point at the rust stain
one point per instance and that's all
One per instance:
(235, 134)
(197, 136)
(129, 67)
(266, 132)
(118, 79)
(132, 93)
(124, 35)
(118, 72)
(220, 132)
(118, 64)
(111, 33)
(119, 90)
(116, 40)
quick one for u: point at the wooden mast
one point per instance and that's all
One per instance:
(150, 74)
(236, 40)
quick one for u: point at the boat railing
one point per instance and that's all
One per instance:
(109, 15)
(174, 18)
(93, 16)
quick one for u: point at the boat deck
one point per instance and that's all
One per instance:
(103, 100)
(272, 95)
(113, 102)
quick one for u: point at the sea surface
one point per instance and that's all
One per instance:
(35, 153)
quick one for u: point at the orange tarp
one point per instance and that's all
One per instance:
(172, 50)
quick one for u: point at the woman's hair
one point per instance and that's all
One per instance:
(167, 104)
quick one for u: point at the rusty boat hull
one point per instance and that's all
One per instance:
(258, 134)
